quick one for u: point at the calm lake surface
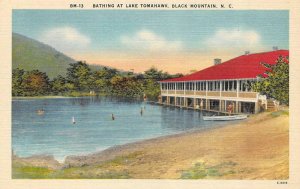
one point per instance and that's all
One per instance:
(53, 132)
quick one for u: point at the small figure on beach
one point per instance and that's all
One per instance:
(141, 111)
(229, 108)
(112, 117)
(145, 97)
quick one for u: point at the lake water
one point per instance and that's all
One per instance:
(53, 132)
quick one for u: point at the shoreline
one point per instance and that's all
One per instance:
(126, 145)
(41, 97)
(256, 148)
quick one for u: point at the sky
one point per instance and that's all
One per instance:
(178, 41)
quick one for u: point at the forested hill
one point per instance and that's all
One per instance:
(29, 54)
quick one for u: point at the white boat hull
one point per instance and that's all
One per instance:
(224, 118)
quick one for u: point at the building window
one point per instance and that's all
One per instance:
(233, 86)
(226, 85)
(246, 85)
(217, 85)
(200, 86)
(179, 86)
(203, 85)
(229, 85)
(172, 86)
(164, 86)
(213, 85)
(190, 86)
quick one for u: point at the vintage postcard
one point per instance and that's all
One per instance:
(149, 93)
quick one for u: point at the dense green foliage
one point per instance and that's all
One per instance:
(31, 83)
(276, 84)
(81, 80)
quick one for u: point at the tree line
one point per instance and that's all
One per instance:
(80, 80)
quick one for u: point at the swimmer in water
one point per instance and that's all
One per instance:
(112, 117)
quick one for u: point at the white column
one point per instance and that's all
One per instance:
(168, 85)
(221, 82)
(206, 88)
(238, 87)
(194, 87)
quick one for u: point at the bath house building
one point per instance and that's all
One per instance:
(221, 86)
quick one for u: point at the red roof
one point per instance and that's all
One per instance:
(245, 66)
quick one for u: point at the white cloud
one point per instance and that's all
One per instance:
(65, 39)
(149, 41)
(234, 40)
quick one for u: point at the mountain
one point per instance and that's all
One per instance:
(30, 54)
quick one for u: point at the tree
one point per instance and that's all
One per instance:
(107, 73)
(100, 79)
(276, 83)
(79, 74)
(58, 85)
(151, 89)
(35, 83)
(177, 75)
(126, 86)
(154, 74)
(17, 79)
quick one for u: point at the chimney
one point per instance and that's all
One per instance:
(275, 48)
(217, 61)
(247, 52)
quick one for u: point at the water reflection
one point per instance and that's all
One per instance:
(85, 101)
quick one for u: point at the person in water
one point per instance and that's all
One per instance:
(141, 112)
(112, 117)
(40, 111)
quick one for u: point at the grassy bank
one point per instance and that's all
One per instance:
(256, 148)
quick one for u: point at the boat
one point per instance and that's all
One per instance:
(224, 118)
(73, 120)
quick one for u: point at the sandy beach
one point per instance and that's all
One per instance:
(257, 148)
